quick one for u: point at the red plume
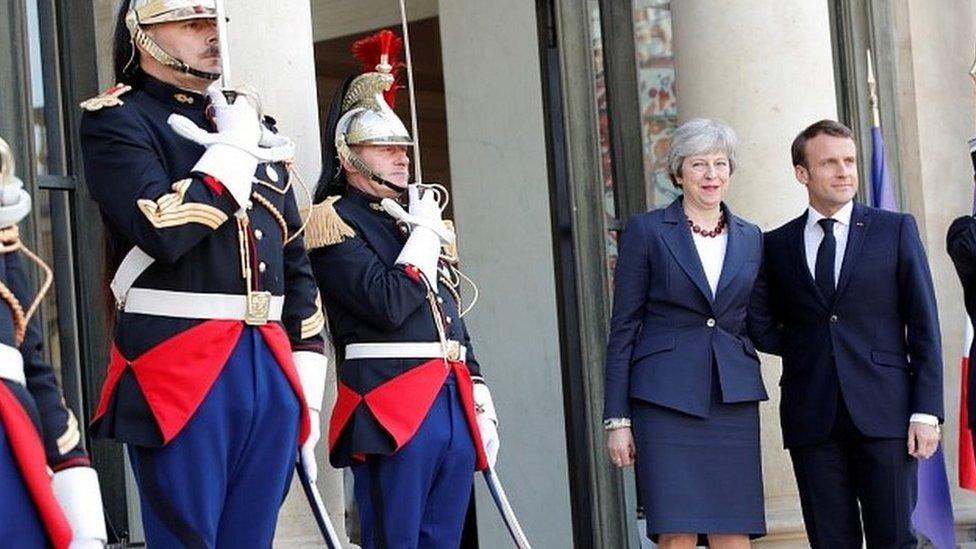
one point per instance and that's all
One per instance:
(370, 52)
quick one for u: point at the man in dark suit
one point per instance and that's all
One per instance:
(961, 245)
(848, 303)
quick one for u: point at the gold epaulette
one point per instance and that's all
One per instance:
(449, 252)
(325, 227)
(108, 98)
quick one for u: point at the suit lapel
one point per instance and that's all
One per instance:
(678, 239)
(855, 240)
(799, 256)
(734, 251)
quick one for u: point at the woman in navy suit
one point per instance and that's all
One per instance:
(682, 377)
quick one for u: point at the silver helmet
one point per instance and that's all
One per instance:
(367, 117)
(152, 12)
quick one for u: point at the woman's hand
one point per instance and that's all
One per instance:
(620, 445)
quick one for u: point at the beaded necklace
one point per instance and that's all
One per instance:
(719, 227)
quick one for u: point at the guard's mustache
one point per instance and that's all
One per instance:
(212, 51)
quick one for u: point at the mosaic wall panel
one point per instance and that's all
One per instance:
(658, 106)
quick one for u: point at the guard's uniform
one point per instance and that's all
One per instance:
(49, 494)
(37, 430)
(207, 396)
(406, 425)
(412, 408)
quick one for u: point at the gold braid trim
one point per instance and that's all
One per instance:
(312, 325)
(292, 170)
(170, 211)
(274, 213)
(325, 227)
(20, 319)
(71, 436)
(10, 242)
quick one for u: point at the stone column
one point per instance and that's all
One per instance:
(492, 80)
(271, 49)
(766, 68)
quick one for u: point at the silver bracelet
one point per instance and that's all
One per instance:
(613, 423)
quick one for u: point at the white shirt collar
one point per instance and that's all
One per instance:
(843, 215)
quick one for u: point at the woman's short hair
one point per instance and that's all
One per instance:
(700, 136)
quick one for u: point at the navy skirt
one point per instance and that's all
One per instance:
(699, 475)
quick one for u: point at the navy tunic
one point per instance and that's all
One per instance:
(370, 299)
(140, 173)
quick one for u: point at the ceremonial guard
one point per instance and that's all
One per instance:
(38, 432)
(216, 374)
(414, 418)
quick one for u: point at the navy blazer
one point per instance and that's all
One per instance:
(877, 343)
(668, 334)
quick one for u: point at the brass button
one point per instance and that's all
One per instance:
(271, 173)
(710, 323)
(249, 205)
(262, 266)
(833, 318)
(448, 320)
(440, 299)
(258, 234)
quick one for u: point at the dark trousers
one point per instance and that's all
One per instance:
(220, 482)
(849, 480)
(20, 525)
(418, 497)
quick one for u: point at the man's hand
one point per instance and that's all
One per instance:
(620, 444)
(923, 439)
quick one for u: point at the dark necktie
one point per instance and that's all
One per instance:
(824, 269)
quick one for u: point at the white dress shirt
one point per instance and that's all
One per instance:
(813, 234)
(711, 252)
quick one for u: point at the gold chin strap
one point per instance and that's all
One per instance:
(141, 39)
(10, 242)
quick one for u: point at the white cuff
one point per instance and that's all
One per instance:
(76, 490)
(233, 167)
(483, 404)
(422, 250)
(927, 419)
(312, 368)
(12, 364)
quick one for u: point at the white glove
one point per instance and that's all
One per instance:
(233, 152)
(422, 250)
(308, 448)
(487, 422)
(77, 491)
(428, 231)
(311, 368)
(15, 202)
(424, 212)
(12, 364)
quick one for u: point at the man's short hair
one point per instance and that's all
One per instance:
(829, 127)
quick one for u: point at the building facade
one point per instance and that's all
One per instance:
(549, 121)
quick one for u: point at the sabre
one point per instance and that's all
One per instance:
(972, 142)
(415, 131)
(318, 508)
(505, 509)
(221, 10)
